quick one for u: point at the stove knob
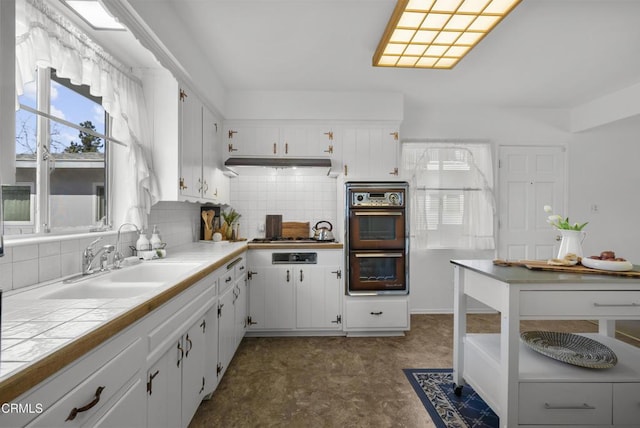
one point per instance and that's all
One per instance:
(360, 198)
(394, 198)
(295, 257)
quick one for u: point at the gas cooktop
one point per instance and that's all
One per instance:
(281, 240)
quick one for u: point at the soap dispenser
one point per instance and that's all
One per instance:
(155, 241)
(142, 244)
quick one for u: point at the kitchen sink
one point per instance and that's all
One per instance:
(129, 282)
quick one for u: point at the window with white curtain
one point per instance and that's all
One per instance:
(99, 86)
(452, 194)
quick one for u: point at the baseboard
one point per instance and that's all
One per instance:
(450, 311)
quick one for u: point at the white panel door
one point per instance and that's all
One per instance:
(530, 177)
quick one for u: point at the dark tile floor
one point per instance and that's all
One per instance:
(341, 382)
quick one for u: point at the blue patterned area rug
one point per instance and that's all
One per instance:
(435, 389)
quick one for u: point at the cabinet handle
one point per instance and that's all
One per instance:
(287, 275)
(206, 186)
(346, 170)
(329, 149)
(183, 95)
(215, 193)
(228, 279)
(150, 383)
(182, 186)
(330, 135)
(394, 172)
(301, 276)
(338, 273)
(186, 354)
(231, 135)
(286, 148)
(616, 305)
(181, 349)
(76, 410)
(584, 406)
(275, 146)
(201, 389)
(230, 147)
(203, 325)
(200, 185)
(395, 135)
(376, 313)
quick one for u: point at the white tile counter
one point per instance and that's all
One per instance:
(50, 332)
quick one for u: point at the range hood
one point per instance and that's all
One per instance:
(240, 164)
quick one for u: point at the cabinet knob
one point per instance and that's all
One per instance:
(182, 185)
(330, 135)
(230, 147)
(394, 172)
(231, 134)
(395, 135)
(329, 149)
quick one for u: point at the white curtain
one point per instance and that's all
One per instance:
(44, 38)
(461, 172)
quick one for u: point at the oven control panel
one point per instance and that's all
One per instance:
(393, 198)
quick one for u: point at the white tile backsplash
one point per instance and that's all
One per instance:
(297, 198)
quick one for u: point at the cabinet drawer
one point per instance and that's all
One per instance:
(584, 303)
(377, 313)
(110, 378)
(626, 403)
(565, 403)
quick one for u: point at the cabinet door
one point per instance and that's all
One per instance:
(294, 142)
(211, 358)
(209, 161)
(318, 298)
(240, 310)
(190, 145)
(193, 379)
(128, 411)
(226, 331)
(370, 153)
(322, 141)
(238, 140)
(271, 300)
(164, 389)
(220, 187)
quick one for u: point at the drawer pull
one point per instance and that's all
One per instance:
(584, 406)
(76, 410)
(616, 305)
(376, 313)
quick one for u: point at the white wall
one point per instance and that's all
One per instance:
(603, 169)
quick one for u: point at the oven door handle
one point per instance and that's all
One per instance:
(364, 255)
(378, 213)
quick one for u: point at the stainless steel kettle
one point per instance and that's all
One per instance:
(323, 233)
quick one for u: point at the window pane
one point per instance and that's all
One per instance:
(78, 159)
(16, 203)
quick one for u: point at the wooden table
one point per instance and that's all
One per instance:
(527, 389)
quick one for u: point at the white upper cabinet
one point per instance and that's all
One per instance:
(186, 149)
(278, 139)
(370, 152)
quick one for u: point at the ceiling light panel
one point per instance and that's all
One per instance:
(93, 13)
(437, 33)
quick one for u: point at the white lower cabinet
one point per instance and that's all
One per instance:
(91, 397)
(232, 311)
(295, 298)
(376, 313)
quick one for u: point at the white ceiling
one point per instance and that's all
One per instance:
(546, 53)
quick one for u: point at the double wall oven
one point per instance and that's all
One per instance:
(377, 238)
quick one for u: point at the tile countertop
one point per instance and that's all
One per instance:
(40, 336)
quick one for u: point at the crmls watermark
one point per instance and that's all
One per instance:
(32, 408)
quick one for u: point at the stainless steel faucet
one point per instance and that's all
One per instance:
(117, 257)
(88, 256)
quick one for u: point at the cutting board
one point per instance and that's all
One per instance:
(543, 265)
(273, 226)
(295, 229)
